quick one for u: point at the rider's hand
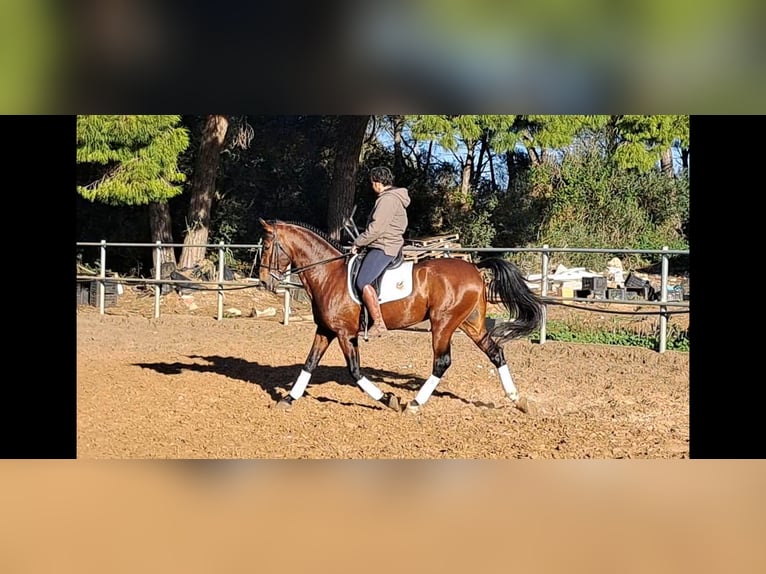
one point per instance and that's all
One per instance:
(354, 250)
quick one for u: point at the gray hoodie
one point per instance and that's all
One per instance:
(387, 222)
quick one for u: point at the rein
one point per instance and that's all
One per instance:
(310, 265)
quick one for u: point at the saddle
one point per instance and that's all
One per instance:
(394, 283)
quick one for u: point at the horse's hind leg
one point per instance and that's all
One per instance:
(322, 340)
(476, 330)
(497, 357)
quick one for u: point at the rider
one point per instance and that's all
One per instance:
(384, 238)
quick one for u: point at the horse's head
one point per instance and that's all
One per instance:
(274, 260)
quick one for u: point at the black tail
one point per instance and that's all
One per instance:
(509, 288)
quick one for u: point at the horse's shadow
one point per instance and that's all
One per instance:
(277, 380)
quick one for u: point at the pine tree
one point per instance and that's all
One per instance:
(133, 160)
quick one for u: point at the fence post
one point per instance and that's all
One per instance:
(220, 281)
(157, 277)
(286, 318)
(102, 275)
(663, 299)
(544, 293)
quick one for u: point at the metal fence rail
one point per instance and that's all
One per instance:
(221, 285)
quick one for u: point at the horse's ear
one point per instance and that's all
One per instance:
(265, 225)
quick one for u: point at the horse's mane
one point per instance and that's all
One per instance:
(336, 244)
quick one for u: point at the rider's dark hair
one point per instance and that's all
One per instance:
(383, 175)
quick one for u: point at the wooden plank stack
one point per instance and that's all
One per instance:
(449, 241)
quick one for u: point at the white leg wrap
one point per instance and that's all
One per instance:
(510, 388)
(425, 391)
(370, 388)
(299, 386)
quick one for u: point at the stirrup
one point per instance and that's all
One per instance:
(364, 325)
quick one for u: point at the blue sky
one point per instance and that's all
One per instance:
(442, 154)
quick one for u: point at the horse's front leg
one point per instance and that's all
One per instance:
(322, 340)
(350, 347)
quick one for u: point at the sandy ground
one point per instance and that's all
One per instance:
(187, 386)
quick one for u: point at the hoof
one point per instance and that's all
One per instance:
(285, 404)
(413, 407)
(391, 401)
(526, 407)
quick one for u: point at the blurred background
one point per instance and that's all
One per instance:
(99, 56)
(451, 516)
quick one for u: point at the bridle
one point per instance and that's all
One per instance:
(273, 265)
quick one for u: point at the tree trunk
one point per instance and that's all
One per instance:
(492, 171)
(511, 167)
(350, 135)
(476, 175)
(534, 156)
(460, 198)
(161, 229)
(427, 163)
(666, 162)
(465, 180)
(516, 164)
(398, 122)
(203, 190)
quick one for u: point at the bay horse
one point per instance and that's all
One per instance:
(451, 293)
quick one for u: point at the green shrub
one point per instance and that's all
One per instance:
(676, 339)
(586, 203)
